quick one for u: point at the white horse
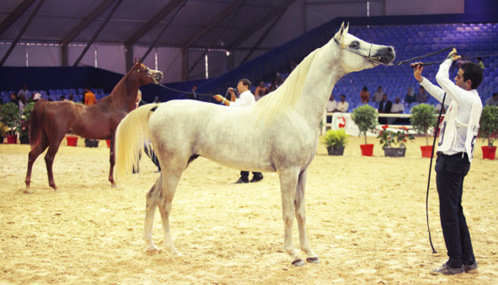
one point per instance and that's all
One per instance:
(277, 134)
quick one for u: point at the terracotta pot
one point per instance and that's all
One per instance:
(426, 150)
(367, 149)
(12, 139)
(72, 141)
(488, 152)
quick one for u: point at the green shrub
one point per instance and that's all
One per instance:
(489, 124)
(365, 117)
(422, 119)
(336, 138)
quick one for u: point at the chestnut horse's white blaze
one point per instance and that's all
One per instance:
(254, 138)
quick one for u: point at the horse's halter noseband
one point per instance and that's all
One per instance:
(368, 57)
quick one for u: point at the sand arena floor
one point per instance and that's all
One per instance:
(365, 220)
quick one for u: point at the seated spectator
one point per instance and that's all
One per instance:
(331, 104)
(385, 107)
(22, 97)
(422, 95)
(410, 97)
(261, 90)
(13, 99)
(493, 100)
(36, 96)
(343, 105)
(364, 95)
(331, 107)
(479, 62)
(398, 107)
(377, 96)
(89, 97)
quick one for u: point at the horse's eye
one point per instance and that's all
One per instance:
(355, 45)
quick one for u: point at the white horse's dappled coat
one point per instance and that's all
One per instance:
(277, 134)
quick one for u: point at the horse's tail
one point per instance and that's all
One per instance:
(36, 122)
(131, 135)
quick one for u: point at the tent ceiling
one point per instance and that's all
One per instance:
(198, 22)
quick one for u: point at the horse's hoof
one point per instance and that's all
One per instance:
(153, 251)
(298, 262)
(114, 186)
(27, 191)
(314, 260)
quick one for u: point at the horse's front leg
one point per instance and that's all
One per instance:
(300, 211)
(152, 199)
(288, 182)
(169, 182)
(112, 161)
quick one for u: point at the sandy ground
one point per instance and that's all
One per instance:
(365, 220)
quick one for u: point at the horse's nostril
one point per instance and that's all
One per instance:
(389, 49)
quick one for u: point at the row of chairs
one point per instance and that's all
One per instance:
(57, 94)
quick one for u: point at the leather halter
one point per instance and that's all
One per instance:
(368, 57)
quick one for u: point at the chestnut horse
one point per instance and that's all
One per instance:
(50, 121)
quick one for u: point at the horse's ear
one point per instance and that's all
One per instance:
(339, 36)
(135, 61)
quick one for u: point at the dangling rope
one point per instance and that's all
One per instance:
(432, 153)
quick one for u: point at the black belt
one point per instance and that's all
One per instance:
(439, 153)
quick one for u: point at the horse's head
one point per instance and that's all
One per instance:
(357, 54)
(145, 74)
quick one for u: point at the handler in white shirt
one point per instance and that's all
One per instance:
(246, 98)
(455, 148)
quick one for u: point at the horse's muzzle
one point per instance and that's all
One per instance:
(156, 75)
(386, 55)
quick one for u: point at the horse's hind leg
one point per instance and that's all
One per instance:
(170, 180)
(152, 198)
(300, 211)
(33, 155)
(49, 160)
(288, 183)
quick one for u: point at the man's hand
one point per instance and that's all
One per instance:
(454, 55)
(417, 70)
(218, 97)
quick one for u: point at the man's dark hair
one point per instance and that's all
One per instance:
(246, 82)
(473, 72)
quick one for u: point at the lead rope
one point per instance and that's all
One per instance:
(430, 167)
(429, 179)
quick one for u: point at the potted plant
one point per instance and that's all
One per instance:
(422, 119)
(365, 117)
(394, 143)
(488, 130)
(9, 116)
(23, 126)
(335, 141)
(3, 131)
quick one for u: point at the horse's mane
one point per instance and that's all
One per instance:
(287, 95)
